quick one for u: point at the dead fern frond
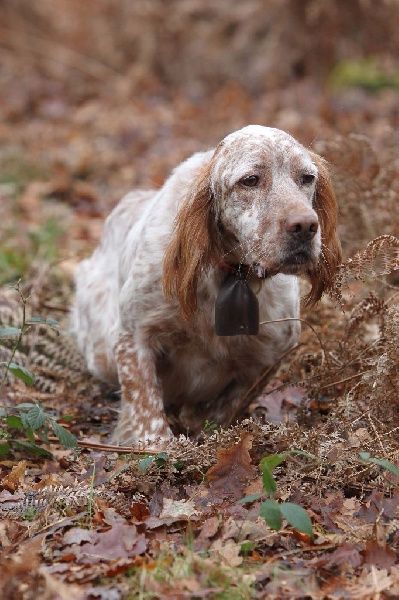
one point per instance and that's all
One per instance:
(379, 258)
(366, 309)
(47, 496)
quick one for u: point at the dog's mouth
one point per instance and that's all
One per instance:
(293, 263)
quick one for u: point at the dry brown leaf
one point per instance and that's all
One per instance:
(13, 480)
(234, 468)
(229, 552)
(120, 541)
(380, 556)
(209, 528)
(344, 557)
(178, 509)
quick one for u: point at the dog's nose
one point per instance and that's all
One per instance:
(302, 226)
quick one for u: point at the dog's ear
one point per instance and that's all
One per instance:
(192, 247)
(325, 205)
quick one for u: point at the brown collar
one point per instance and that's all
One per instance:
(244, 271)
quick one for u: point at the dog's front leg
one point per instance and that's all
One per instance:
(142, 417)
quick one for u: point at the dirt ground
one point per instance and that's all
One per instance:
(97, 98)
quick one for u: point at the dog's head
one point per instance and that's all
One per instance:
(263, 200)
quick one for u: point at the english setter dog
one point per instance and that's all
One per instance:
(143, 316)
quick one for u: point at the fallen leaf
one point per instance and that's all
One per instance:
(139, 511)
(377, 504)
(380, 556)
(178, 509)
(77, 535)
(359, 438)
(15, 477)
(230, 475)
(229, 552)
(120, 541)
(209, 528)
(347, 555)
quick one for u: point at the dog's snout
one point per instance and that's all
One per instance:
(302, 226)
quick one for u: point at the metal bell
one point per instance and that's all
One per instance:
(236, 307)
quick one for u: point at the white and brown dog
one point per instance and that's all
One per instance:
(145, 300)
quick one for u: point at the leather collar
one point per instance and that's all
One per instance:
(244, 271)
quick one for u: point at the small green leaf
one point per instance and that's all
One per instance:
(145, 463)
(381, 462)
(270, 511)
(35, 417)
(250, 498)
(67, 418)
(269, 483)
(267, 464)
(159, 459)
(22, 373)
(247, 547)
(30, 513)
(36, 321)
(297, 517)
(9, 332)
(25, 405)
(42, 321)
(32, 448)
(65, 437)
(43, 435)
(271, 461)
(28, 431)
(4, 449)
(14, 422)
(364, 455)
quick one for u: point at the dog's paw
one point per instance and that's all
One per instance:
(129, 432)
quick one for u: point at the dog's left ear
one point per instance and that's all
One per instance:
(325, 205)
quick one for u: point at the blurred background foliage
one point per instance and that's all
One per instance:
(102, 95)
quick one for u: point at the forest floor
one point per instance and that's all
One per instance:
(194, 520)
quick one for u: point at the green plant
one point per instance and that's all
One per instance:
(209, 426)
(272, 510)
(31, 423)
(380, 462)
(17, 333)
(28, 419)
(30, 514)
(159, 459)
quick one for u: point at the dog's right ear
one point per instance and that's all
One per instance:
(326, 207)
(192, 247)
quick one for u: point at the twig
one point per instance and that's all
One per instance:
(323, 387)
(377, 435)
(314, 548)
(302, 321)
(113, 448)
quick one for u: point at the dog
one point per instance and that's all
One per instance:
(258, 209)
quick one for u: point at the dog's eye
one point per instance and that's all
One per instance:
(250, 181)
(307, 179)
